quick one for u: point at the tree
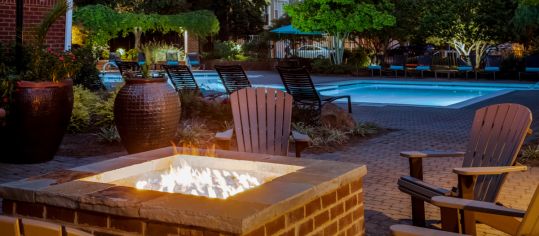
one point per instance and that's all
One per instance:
(469, 25)
(407, 13)
(104, 23)
(526, 22)
(238, 18)
(339, 18)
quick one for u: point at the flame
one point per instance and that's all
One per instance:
(189, 149)
(208, 182)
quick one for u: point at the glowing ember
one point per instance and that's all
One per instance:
(213, 183)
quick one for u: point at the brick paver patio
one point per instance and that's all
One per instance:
(415, 128)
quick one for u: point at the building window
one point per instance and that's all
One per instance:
(276, 16)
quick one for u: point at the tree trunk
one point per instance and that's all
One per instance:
(137, 31)
(338, 45)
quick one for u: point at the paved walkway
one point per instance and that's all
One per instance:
(416, 128)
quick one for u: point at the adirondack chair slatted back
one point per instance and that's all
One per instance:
(299, 84)
(262, 119)
(530, 223)
(125, 66)
(233, 77)
(497, 134)
(181, 77)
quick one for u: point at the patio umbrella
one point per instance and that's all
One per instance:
(289, 29)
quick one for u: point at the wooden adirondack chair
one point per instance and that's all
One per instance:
(299, 84)
(9, 226)
(262, 120)
(233, 78)
(504, 218)
(497, 134)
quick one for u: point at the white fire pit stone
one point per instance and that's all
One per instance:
(293, 196)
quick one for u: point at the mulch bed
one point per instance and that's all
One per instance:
(86, 145)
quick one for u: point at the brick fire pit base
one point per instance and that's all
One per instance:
(310, 197)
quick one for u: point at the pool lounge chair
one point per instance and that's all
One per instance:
(398, 64)
(492, 65)
(262, 123)
(299, 84)
(193, 60)
(183, 80)
(464, 67)
(506, 218)
(233, 77)
(532, 65)
(141, 58)
(497, 134)
(424, 63)
(376, 64)
(172, 59)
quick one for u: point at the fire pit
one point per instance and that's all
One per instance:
(160, 193)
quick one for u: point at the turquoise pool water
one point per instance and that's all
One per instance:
(387, 92)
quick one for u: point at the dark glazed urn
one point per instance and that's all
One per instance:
(147, 114)
(41, 112)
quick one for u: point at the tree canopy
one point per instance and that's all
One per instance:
(104, 23)
(339, 18)
(469, 25)
(238, 18)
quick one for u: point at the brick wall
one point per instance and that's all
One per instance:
(338, 212)
(34, 11)
(192, 44)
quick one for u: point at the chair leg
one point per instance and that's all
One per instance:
(349, 105)
(418, 212)
(300, 146)
(450, 219)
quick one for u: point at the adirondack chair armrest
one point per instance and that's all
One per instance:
(430, 153)
(301, 142)
(409, 230)
(476, 206)
(223, 139)
(496, 170)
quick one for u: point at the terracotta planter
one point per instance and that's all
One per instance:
(40, 115)
(147, 114)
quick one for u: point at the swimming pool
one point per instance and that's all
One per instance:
(389, 92)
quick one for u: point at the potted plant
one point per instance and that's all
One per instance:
(40, 99)
(146, 110)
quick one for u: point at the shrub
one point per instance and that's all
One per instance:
(324, 66)
(84, 103)
(326, 136)
(530, 153)
(104, 112)
(196, 107)
(193, 133)
(227, 50)
(108, 134)
(357, 57)
(88, 74)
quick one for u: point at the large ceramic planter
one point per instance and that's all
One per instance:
(41, 112)
(147, 114)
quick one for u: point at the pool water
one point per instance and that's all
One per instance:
(382, 92)
(423, 95)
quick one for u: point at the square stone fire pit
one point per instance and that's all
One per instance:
(271, 195)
